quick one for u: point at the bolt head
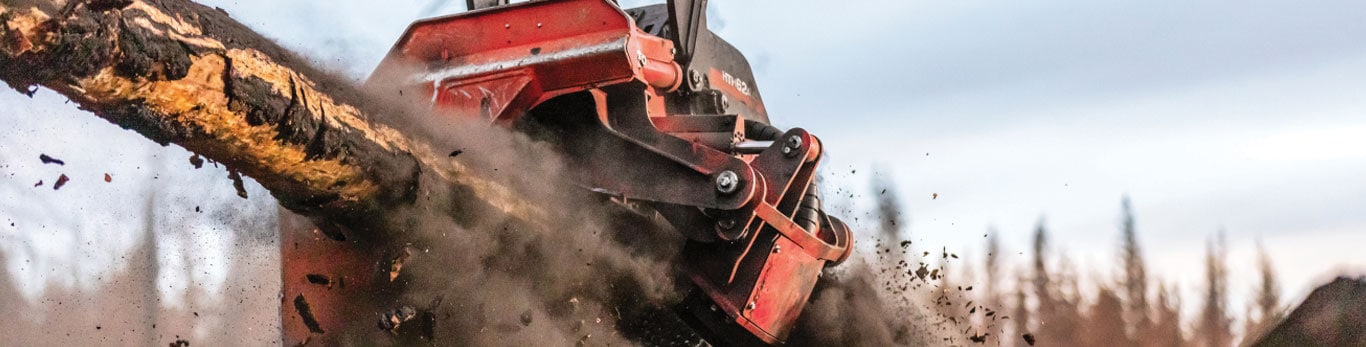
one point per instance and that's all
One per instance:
(777, 249)
(794, 143)
(727, 182)
(749, 306)
(640, 57)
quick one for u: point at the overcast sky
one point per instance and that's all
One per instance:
(1247, 116)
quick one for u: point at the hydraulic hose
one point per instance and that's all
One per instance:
(758, 131)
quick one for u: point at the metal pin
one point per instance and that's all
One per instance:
(727, 182)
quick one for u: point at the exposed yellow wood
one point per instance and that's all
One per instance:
(198, 102)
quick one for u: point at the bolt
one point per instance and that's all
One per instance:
(640, 57)
(794, 143)
(749, 306)
(714, 308)
(777, 249)
(695, 78)
(538, 25)
(507, 26)
(727, 182)
(725, 103)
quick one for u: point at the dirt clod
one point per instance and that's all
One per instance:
(922, 272)
(390, 321)
(306, 313)
(50, 160)
(61, 181)
(321, 280)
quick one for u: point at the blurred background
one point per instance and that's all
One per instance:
(1228, 133)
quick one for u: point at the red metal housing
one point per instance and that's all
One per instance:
(585, 65)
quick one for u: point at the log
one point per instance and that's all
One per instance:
(397, 224)
(178, 72)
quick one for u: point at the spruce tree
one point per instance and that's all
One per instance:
(1213, 329)
(1135, 280)
(1267, 301)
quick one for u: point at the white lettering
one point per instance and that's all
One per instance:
(738, 84)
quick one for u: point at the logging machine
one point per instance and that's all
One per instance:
(651, 108)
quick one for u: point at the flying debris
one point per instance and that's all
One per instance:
(50, 160)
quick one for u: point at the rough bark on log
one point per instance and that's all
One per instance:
(179, 72)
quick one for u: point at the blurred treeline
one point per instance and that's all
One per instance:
(1045, 301)
(128, 309)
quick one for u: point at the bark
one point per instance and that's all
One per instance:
(178, 72)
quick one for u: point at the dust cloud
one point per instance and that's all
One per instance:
(868, 301)
(583, 271)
